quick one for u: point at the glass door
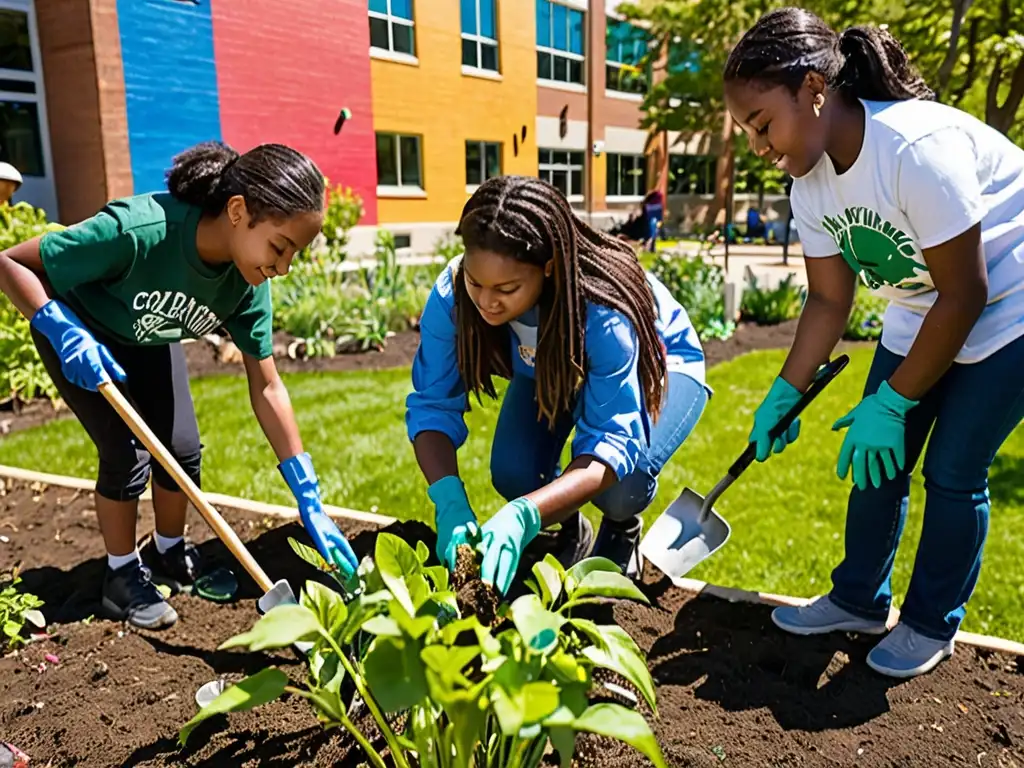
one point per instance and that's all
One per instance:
(24, 136)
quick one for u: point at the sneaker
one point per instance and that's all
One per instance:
(906, 653)
(130, 594)
(177, 568)
(821, 615)
(569, 542)
(620, 543)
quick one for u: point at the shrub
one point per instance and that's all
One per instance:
(698, 285)
(771, 306)
(343, 210)
(483, 689)
(448, 246)
(22, 374)
(865, 321)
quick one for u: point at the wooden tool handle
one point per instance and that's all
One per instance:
(167, 461)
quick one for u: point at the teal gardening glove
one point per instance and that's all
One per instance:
(504, 537)
(780, 398)
(875, 437)
(453, 517)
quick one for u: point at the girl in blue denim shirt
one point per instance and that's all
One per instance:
(589, 341)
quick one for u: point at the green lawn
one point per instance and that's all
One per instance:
(787, 515)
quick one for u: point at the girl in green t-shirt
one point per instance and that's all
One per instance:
(111, 297)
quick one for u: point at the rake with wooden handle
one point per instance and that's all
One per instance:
(274, 593)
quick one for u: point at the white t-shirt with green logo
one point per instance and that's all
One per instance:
(926, 173)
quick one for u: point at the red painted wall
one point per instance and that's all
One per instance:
(284, 72)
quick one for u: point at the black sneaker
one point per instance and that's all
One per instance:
(569, 543)
(177, 568)
(129, 594)
(620, 543)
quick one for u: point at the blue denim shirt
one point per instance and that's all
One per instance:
(612, 422)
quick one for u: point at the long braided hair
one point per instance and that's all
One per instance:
(530, 220)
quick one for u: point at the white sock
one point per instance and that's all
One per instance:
(163, 543)
(119, 561)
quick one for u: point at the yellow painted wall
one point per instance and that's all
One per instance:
(446, 108)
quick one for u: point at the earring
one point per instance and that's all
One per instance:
(819, 102)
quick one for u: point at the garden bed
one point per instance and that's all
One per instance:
(731, 688)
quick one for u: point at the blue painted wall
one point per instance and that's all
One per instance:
(170, 81)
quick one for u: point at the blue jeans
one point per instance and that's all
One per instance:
(970, 413)
(525, 453)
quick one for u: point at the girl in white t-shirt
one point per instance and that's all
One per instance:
(926, 205)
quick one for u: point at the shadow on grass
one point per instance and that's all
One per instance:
(1004, 480)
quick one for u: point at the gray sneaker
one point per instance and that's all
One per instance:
(906, 653)
(821, 615)
(130, 595)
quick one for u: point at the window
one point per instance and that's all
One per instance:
(564, 169)
(560, 53)
(391, 26)
(479, 34)
(398, 161)
(691, 174)
(483, 161)
(21, 138)
(403, 242)
(627, 175)
(627, 47)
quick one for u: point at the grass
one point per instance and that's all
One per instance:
(787, 514)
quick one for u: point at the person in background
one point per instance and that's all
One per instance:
(110, 299)
(10, 182)
(925, 204)
(589, 342)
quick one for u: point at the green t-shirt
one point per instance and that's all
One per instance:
(133, 271)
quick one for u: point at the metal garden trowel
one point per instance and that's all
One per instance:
(690, 530)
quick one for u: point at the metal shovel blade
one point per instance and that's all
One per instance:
(281, 594)
(683, 536)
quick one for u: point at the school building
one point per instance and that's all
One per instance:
(96, 96)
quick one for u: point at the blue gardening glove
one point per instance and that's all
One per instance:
(84, 361)
(504, 537)
(780, 398)
(875, 438)
(453, 517)
(330, 542)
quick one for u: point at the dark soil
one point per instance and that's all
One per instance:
(473, 596)
(731, 689)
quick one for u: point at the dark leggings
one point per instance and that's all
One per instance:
(157, 385)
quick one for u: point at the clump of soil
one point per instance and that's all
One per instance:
(474, 597)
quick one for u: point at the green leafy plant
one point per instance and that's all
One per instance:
(495, 693)
(771, 306)
(697, 284)
(342, 211)
(865, 321)
(16, 610)
(448, 246)
(22, 374)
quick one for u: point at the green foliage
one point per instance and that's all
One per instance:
(448, 247)
(473, 696)
(865, 322)
(771, 306)
(22, 374)
(329, 309)
(698, 285)
(16, 610)
(342, 212)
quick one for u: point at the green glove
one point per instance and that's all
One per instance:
(504, 537)
(875, 438)
(780, 398)
(453, 517)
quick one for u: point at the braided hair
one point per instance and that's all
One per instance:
(530, 220)
(274, 179)
(863, 62)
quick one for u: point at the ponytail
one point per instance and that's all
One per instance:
(863, 62)
(876, 67)
(274, 180)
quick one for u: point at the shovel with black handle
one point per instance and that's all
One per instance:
(690, 530)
